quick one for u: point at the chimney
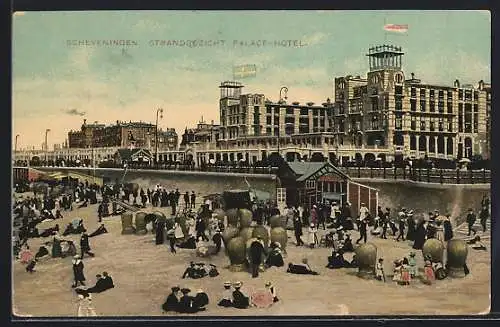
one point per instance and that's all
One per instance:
(84, 121)
(212, 121)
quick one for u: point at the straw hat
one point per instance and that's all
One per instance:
(237, 284)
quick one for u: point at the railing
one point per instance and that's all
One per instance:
(180, 167)
(430, 175)
(427, 175)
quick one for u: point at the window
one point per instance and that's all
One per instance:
(450, 95)
(289, 120)
(422, 105)
(476, 95)
(268, 120)
(413, 92)
(413, 105)
(468, 118)
(422, 124)
(431, 106)
(475, 107)
(422, 93)
(289, 111)
(461, 94)
(269, 110)
(450, 125)
(386, 102)
(441, 94)
(374, 124)
(304, 111)
(310, 184)
(431, 126)
(398, 78)
(399, 104)
(441, 106)
(268, 131)
(276, 120)
(431, 94)
(468, 95)
(374, 104)
(440, 125)
(476, 123)
(398, 90)
(449, 107)
(413, 125)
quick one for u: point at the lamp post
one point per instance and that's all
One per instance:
(15, 144)
(285, 90)
(46, 147)
(159, 112)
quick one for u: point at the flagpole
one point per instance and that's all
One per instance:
(385, 32)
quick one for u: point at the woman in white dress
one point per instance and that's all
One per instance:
(178, 231)
(312, 237)
(85, 307)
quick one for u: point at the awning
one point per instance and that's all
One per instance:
(82, 178)
(57, 176)
(332, 196)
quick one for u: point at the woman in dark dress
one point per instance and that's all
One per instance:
(448, 229)
(410, 235)
(172, 302)
(420, 234)
(159, 232)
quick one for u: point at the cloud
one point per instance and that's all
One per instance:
(74, 112)
(438, 69)
(315, 38)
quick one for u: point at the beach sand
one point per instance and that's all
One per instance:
(143, 274)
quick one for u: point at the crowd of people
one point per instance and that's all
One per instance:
(337, 222)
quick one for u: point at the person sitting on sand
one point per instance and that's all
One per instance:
(190, 243)
(354, 262)
(194, 272)
(200, 300)
(275, 257)
(476, 243)
(42, 251)
(240, 301)
(227, 296)
(336, 260)
(301, 269)
(70, 250)
(347, 247)
(186, 302)
(100, 230)
(172, 301)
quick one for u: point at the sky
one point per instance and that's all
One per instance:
(58, 82)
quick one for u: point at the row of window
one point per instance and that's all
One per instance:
(466, 95)
(303, 111)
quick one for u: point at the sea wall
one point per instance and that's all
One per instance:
(424, 197)
(200, 182)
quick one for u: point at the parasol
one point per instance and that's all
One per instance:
(26, 256)
(262, 299)
(441, 218)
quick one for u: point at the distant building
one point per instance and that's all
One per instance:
(122, 134)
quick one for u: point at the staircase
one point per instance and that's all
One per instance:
(126, 206)
(461, 231)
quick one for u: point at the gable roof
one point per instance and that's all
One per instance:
(126, 154)
(304, 170)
